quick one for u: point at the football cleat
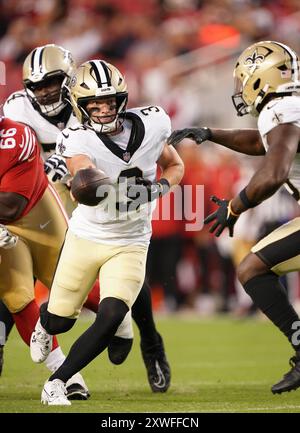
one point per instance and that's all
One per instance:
(291, 380)
(76, 388)
(118, 349)
(40, 343)
(54, 393)
(158, 368)
(1, 358)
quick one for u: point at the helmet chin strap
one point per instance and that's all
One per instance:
(261, 95)
(106, 128)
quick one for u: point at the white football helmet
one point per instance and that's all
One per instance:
(264, 70)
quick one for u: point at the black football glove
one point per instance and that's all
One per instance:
(56, 163)
(223, 217)
(145, 191)
(197, 134)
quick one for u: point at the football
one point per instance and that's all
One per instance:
(85, 184)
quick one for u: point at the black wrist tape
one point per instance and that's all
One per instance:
(245, 200)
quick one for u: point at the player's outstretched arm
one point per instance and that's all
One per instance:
(245, 141)
(272, 173)
(273, 170)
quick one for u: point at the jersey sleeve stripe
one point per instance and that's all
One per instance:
(28, 146)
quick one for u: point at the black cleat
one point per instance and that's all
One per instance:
(118, 349)
(77, 392)
(291, 380)
(1, 358)
(158, 368)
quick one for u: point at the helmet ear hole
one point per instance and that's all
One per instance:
(256, 84)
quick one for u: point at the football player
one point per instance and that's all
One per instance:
(110, 239)
(267, 86)
(32, 230)
(43, 105)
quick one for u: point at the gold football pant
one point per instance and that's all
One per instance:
(280, 250)
(121, 272)
(41, 235)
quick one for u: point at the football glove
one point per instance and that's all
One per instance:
(145, 191)
(197, 134)
(223, 217)
(7, 239)
(57, 164)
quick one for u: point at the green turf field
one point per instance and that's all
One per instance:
(218, 365)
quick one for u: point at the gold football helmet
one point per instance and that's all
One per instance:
(264, 70)
(97, 79)
(42, 65)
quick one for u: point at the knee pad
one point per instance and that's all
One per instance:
(54, 324)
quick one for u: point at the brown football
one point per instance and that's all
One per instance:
(85, 186)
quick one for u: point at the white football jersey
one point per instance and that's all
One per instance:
(132, 153)
(277, 111)
(19, 108)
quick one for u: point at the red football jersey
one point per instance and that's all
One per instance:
(21, 167)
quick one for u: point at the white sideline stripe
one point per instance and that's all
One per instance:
(57, 198)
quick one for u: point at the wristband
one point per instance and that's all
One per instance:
(231, 211)
(244, 199)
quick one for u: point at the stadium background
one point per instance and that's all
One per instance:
(178, 54)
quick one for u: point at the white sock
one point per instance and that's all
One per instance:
(125, 330)
(55, 359)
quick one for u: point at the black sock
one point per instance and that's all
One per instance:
(143, 316)
(270, 296)
(7, 318)
(94, 340)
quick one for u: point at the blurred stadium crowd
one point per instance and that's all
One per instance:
(178, 54)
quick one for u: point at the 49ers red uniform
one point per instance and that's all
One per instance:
(42, 225)
(21, 168)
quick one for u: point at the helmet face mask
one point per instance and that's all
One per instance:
(50, 68)
(101, 110)
(97, 80)
(264, 70)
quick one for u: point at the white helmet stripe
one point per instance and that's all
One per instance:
(295, 71)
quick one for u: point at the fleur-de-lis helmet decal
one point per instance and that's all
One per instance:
(255, 58)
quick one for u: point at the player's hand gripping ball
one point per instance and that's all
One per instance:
(90, 186)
